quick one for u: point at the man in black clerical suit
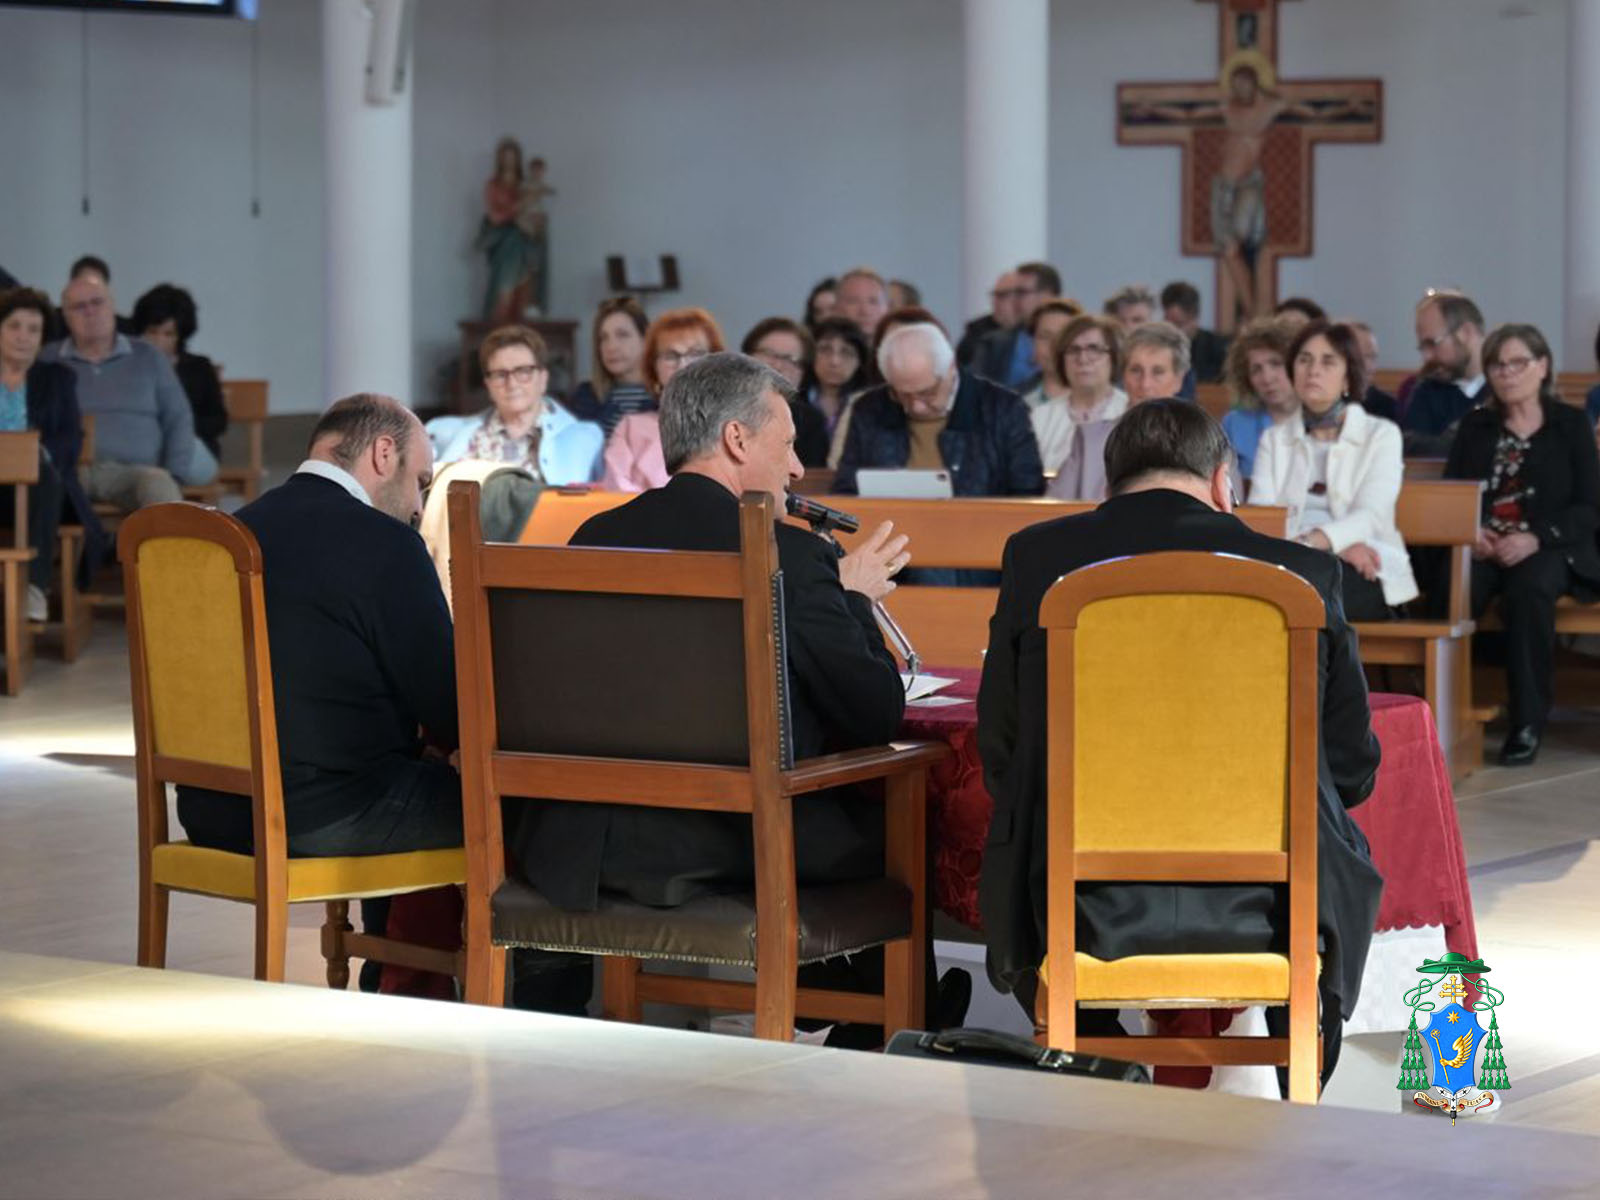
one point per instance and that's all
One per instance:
(726, 429)
(1167, 467)
(362, 649)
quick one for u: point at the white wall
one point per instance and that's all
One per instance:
(765, 145)
(170, 173)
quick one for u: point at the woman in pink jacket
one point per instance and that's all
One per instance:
(633, 461)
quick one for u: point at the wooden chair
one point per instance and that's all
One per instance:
(700, 622)
(1441, 513)
(1208, 777)
(1574, 386)
(203, 716)
(19, 470)
(246, 402)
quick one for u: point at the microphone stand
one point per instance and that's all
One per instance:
(890, 627)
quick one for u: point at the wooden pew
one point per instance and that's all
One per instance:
(560, 511)
(1575, 386)
(1418, 469)
(1215, 398)
(1441, 513)
(1389, 379)
(19, 470)
(246, 402)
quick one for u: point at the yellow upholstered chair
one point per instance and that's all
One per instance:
(203, 716)
(1182, 699)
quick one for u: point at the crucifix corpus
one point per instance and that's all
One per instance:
(1247, 138)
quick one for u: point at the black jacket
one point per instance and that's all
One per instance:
(363, 651)
(845, 693)
(1208, 355)
(975, 331)
(53, 410)
(1563, 472)
(992, 357)
(1434, 410)
(1116, 920)
(198, 374)
(988, 444)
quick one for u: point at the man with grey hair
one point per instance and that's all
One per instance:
(726, 430)
(1131, 306)
(931, 415)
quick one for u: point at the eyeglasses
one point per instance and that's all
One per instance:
(679, 358)
(82, 306)
(1510, 366)
(523, 374)
(773, 356)
(1008, 293)
(1426, 344)
(1087, 352)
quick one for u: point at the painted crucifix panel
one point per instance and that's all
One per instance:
(1247, 140)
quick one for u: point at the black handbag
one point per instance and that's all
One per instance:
(1008, 1050)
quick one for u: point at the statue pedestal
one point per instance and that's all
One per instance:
(560, 339)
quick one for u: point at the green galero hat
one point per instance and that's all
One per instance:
(1453, 964)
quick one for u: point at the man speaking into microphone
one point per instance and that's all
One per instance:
(726, 429)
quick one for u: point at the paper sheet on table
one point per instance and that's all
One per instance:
(936, 702)
(918, 686)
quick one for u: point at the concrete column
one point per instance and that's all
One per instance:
(1005, 213)
(367, 218)
(1583, 186)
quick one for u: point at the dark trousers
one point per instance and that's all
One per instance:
(1363, 597)
(45, 500)
(1528, 593)
(418, 809)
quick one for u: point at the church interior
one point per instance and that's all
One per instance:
(581, 581)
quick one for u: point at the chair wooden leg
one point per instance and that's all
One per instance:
(272, 940)
(903, 965)
(1305, 1053)
(775, 1005)
(334, 928)
(18, 638)
(619, 991)
(495, 978)
(1041, 1014)
(77, 620)
(152, 924)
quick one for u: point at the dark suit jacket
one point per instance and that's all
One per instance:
(988, 444)
(1117, 920)
(1381, 404)
(1208, 354)
(363, 651)
(1432, 413)
(991, 359)
(1563, 471)
(810, 433)
(845, 693)
(976, 330)
(53, 410)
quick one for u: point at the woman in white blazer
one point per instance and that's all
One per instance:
(1337, 469)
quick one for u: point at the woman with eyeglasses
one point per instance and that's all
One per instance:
(1541, 507)
(616, 387)
(633, 461)
(839, 371)
(1081, 355)
(1338, 470)
(523, 426)
(786, 347)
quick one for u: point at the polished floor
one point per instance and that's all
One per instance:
(67, 882)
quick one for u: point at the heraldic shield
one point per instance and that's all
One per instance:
(1449, 1043)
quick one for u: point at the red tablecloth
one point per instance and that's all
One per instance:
(1410, 819)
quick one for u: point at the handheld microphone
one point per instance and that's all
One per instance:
(819, 516)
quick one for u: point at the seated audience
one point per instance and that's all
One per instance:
(1338, 471)
(1167, 462)
(145, 447)
(1087, 354)
(863, 298)
(633, 461)
(522, 428)
(897, 318)
(1450, 333)
(903, 294)
(1297, 311)
(166, 317)
(1155, 359)
(1541, 509)
(1005, 301)
(616, 387)
(726, 430)
(1007, 355)
(839, 373)
(93, 265)
(1131, 306)
(1044, 326)
(1208, 350)
(787, 348)
(1263, 395)
(363, 655)
(821, 302)
(929, 414)
(43, 396)
(1376, 401)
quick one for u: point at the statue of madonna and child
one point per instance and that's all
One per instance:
(514, 236)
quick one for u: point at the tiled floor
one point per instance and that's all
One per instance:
(67, 881)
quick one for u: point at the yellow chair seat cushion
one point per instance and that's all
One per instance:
(1181, 980)
(188, 868)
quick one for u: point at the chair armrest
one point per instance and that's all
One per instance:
(853, 766)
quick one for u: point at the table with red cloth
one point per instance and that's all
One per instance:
(1410, 819)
